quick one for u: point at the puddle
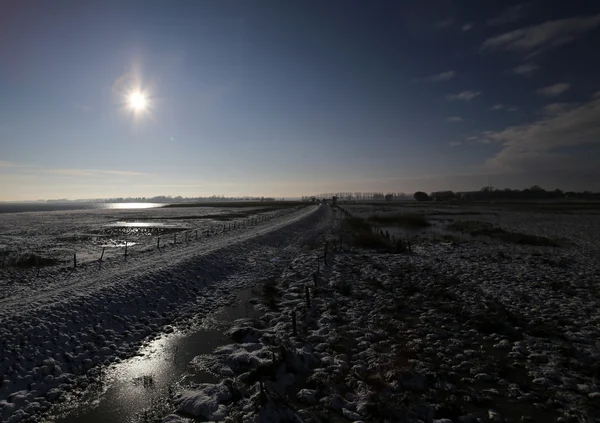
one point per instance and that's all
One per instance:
(116, 243)
(138, 225)
(138, 384)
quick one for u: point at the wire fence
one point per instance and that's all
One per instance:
(35, 259)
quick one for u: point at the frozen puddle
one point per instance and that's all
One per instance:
(140, 383)
(139, 225)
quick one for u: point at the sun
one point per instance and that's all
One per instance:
(137, 101)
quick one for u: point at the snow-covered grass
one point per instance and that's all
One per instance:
(56, 236)
(56, 331)
(453, 332)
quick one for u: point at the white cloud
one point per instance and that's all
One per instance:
(465, 95)
(498, 107)
(454, 119)
(526, 69)
(540, 143)
(513, 109)
(510, 15)
(544, 36)
(554, 90)
(455, 143)
(467, 27)
(440, 77)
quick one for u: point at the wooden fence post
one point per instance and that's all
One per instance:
(125, 248)
(74, 260)
(102, 255)
(158, 243)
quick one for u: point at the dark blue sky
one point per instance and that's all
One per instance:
(286, 99)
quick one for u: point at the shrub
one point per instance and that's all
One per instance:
(421, 196)
(28, 260)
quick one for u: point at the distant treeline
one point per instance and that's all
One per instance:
(486, 193)
(491, 193)
(360, 196)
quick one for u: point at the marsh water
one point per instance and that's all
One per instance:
(143, 382)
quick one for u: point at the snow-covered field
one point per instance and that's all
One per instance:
(464, 330)
(62, 323)
(453, 332)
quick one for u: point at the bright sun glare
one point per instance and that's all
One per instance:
(137, 101)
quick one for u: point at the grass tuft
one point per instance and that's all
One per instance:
(475, 228)
(28, 260)
(411, 220)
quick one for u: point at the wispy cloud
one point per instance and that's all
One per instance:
(510, 15)
(454, 119)
(4, 163)
(542, 142)
(467, 27)
(440, 77)
(67, 172)
(84, 108)
(446, 23)
(504, 107)
(537, 38)
(121, 172)
(91, 172)
(555, 109)
(526, 69)
(465, 95)
(554, 90)
(455, 143)
(29, 168)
